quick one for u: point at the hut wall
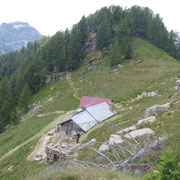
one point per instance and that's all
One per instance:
(68, 128)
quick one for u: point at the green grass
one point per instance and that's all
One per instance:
(22, 132)
(21, 167)
(149, 67)
(86, 174)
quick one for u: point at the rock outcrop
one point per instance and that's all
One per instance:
(139, 133)
(156, 110)
(145, 94)
(115, 139)
(149, 119)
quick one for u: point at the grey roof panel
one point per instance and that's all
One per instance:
(84, 120)
(100, 111)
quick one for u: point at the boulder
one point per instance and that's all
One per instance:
(156, 110)
(115, 139)
(104, 147)
(178, 81)
(91, 142)
(131, 128)
(139, 133)
(146, 120)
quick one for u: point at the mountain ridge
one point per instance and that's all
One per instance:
(14, 36)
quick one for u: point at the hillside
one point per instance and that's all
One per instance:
(109, 30)
(14, 36)
(150, 69)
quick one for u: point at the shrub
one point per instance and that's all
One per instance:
(168, 168)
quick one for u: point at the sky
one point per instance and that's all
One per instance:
(50, 16)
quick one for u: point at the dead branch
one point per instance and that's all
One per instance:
(150, 147)
(123, 148)
(103, 155)
(115, 153)
(117, 127)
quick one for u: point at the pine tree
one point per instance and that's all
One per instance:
(103, 35)
(116, 55)
(83, 30)
(128, 51)
(24, 97)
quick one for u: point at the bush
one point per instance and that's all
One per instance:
(168, 168)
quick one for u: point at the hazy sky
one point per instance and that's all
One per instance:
(50, 16)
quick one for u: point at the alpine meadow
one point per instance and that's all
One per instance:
(127, 56)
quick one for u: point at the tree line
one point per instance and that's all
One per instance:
(23, 72)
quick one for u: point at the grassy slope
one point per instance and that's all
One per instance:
(145, 72)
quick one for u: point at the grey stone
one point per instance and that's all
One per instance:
(156, 110)
(139, 133)
(104, 147)
(146, 120)
(131, 128)
(115, 139)
(178, 81)
(91, 142)
(10, 168)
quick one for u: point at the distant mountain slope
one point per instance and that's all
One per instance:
(15, 35)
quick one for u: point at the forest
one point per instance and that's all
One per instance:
(23, 73)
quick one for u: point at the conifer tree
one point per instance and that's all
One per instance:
(116, 55)
(103, 35)
(24, 97)
(128, 51)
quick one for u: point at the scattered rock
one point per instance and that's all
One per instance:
(139, 132)
(54, 154)
(104, 147)
(163, 83)
(146, 120)
(131, 128)
(145, 94)
(119, 65)
(172, 112)
(91, 142)
(156, 110)
(54, 76)
(178, 85)
(37, 159)
(115, 139)
(92, 67)
(10, 168)
(77, 147)
(177, 102)
(51, 133)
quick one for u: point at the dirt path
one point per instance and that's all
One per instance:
(68, 77)
(50, 113)
(40, 133)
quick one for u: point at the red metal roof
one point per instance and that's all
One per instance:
(87, 101)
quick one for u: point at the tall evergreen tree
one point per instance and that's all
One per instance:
(103, 35)
(24, 97)
(128, 51)
(116, 56)
(83, 30)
